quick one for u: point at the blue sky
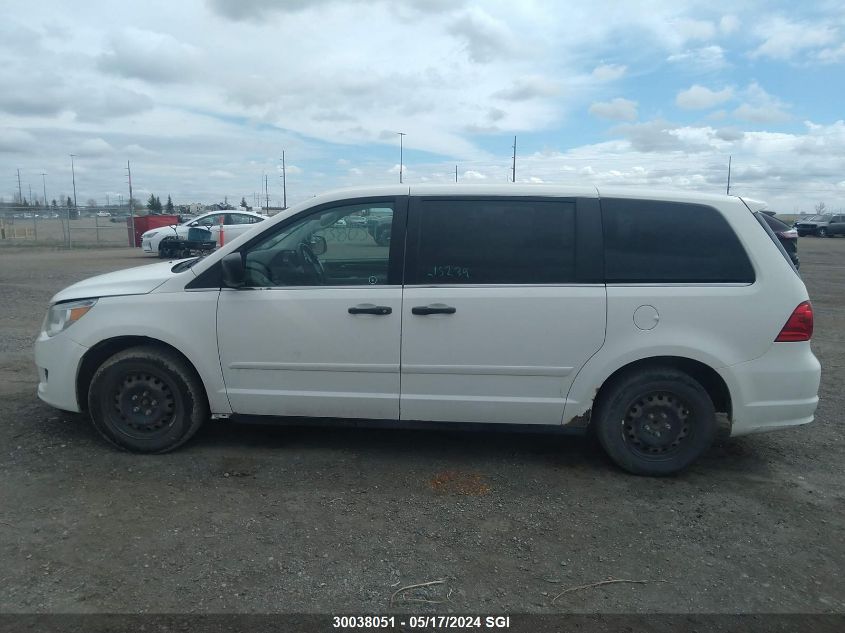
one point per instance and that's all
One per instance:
(203, 96)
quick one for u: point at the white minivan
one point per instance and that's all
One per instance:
(636, 315)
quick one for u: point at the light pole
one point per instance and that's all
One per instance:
(284, 183)
(401, 160)
(75, 208)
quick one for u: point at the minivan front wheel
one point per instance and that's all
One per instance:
(656, 421)
(822, 232)
(147, 400)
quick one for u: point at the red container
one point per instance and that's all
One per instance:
(144, 223)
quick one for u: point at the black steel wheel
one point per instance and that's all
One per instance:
(147, 400)
(655, 421)
(822, 232)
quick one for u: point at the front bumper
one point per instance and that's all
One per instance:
(58, 359)
(147, 246)
(778, 390)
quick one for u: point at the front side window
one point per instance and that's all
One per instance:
(341, 246)
(209, 220)
(648, 241)
(495, 242)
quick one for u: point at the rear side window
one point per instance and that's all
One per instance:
(648, 241)
(495, 242)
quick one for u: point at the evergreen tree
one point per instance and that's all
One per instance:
(169, 207)
(244, 204)
(69, 202)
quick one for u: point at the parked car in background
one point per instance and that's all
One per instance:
(103, 214)
(814, 225)
(535, 307)
(234, 223)
(787, 236)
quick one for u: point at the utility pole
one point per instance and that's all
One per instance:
(284, 183)
(728, 191)
(513, 169)
(456, 173)
(73, 175)
(44, 182)
(401, 158)
(20, 194)
(266, 195)
(76, 212)
(131, 206)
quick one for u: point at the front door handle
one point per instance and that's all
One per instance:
(434, 308)
(369, 308)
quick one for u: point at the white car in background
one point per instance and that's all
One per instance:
(234, 224)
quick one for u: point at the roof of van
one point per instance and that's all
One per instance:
(525, 190)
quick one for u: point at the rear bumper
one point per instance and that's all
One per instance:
(778, 390)
(58, 359)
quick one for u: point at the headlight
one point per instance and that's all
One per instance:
(149, 233)
(62, 315)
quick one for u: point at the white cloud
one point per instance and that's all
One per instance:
(616, 110)
(471, 174)
(761, 107)
(706, 58)
(784, 38)
(151, 56)
(609, 72)
(526, 88)
(692, 29)
(700, 98)
(95, 147)
(729, 24)
(486, 38)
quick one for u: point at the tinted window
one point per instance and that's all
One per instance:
(496, 242)
(240, 218)
(776, 224)
(650, 241)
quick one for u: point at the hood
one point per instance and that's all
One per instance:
(166, 227)
(131, 281)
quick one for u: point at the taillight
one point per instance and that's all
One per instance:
(799, 326)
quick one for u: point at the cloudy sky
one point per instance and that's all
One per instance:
(202, 96)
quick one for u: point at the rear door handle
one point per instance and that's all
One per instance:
(434, 308)
(369, 308)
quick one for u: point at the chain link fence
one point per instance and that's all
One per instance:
(58, 226)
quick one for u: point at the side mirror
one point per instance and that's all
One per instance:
(234, 273)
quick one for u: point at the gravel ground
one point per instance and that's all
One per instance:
(257, 519)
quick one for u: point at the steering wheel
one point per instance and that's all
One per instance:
(307, 256)
(259, 274)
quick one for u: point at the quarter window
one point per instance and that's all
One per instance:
(655, 241)
(495, 242)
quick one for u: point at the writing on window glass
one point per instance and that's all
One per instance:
(448, 271)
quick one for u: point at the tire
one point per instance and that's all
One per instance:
(674, 399)
(165, 248)
(822, 232)
(147, 400)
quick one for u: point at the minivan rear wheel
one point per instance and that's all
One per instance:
(655, 422)
(822, 232)
(147, 400)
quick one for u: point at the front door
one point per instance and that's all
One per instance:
(316, 331)
(503, 305)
